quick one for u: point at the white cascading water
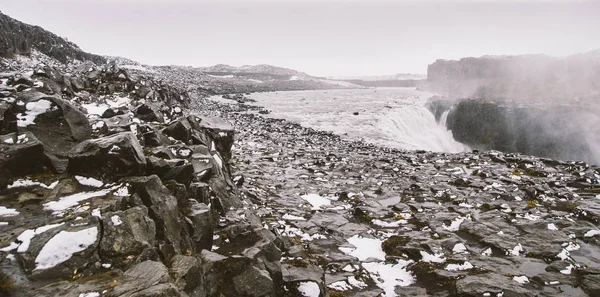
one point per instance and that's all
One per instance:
(394, 117)
(414, 127)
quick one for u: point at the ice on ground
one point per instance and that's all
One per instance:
(63, 245)
(89, 181)
(3, 223)
(455, 225)
(521, 279)
(33, 109)
(432, 258)
(309, 289)
(59, 207)
(30, 183)
(389, 276)
(316, 200)
(459, 267)
(365, 248)
(8, 212)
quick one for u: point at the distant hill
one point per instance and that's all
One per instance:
(18, 38)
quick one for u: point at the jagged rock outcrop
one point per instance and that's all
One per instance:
(122, 195)
(526, 77)
(567, 132)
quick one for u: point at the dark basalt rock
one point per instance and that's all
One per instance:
(146, 279)
(20, 154)
(59, 127)
(164, 211)
(128, 234)
(109, 158)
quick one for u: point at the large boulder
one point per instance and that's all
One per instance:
(60, 251)
(147, 279)
(128, 236)
(57, 123)
(19, 154)
(163, 209)
(109, 158)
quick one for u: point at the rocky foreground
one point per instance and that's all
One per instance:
(362, 220)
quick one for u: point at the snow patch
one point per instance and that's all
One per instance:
(8, 212)
(365, 248)
(388, 276)
(59, 207)
(459, 267)
(316, 200)
(89, 181)
(63, 245)
(455, 225)
(309, 289)
(116, 220)
(33, 109)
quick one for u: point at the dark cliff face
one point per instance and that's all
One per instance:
(562, 132)
(17, 38)
(527, 77)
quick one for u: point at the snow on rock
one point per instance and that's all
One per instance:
(20, 139)
(116, 220)
(21, 183)
(459, 267)
(63, 245)
(316, 200)
(455, 225)
(24, 239)
(592, 233)
(389, 276)
(89, 181)
(385, 224)
(309, 289)
(33, 109)
(290, 217)
(552, 227)
(8, 212)
(365, 248)
(521, 279)
(90, 294)
(432, 258)
(59, 207)
(459, 248)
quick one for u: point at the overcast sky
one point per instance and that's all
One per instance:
(331, 37)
